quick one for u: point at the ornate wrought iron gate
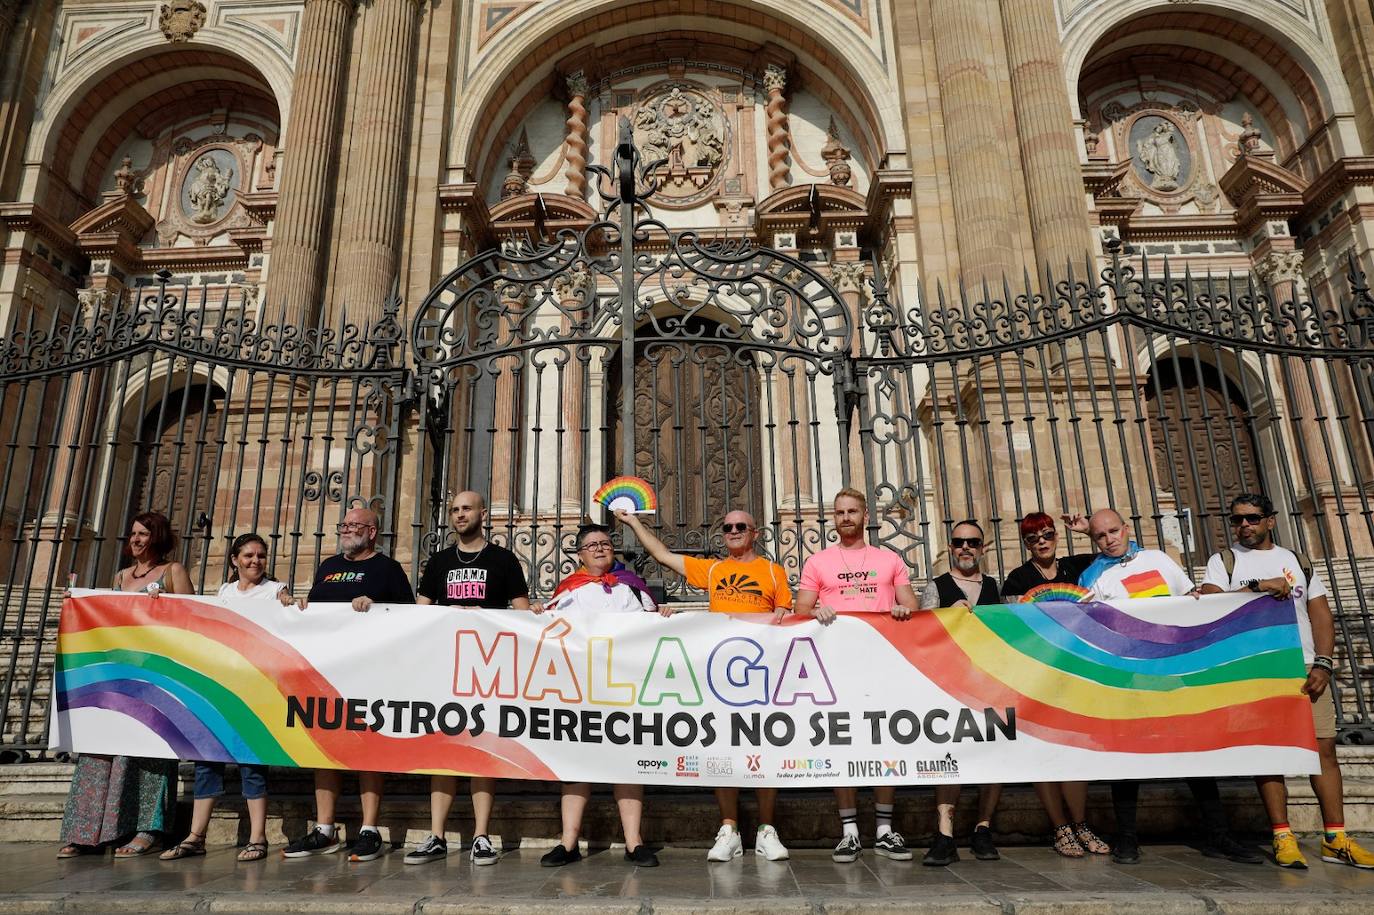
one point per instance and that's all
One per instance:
(729, 375)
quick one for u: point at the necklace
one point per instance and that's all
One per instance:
(458, 555)
(135, 573)
(1054, 570)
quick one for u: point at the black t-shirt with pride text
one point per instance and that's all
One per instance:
(339, 580)
(490, 578)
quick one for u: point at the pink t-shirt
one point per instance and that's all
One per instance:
(855, 581)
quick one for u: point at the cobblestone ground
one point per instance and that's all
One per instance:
(1171, 878)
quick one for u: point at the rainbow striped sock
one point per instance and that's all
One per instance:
(1333, 830)
(1281, 828)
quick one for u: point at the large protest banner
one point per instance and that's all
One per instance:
(1027, 692)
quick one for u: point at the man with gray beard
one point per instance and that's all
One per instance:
(964, 585)
(358, 576)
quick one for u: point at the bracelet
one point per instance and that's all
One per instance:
(1324, 663)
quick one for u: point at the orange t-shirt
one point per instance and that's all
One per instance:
(758, 586)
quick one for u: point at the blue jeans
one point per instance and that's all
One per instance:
(210, 780)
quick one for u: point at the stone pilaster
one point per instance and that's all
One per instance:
(779, 139)
(1044, 126)
(369, 250)
(1352, 32)
(576, 144)
(307, 174)
(984, 219)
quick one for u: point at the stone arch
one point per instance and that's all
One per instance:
(115, 88)
(526, 56)
(1276, 23)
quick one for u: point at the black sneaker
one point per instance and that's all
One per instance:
(314, 842)
(642, 856)
(483, 853)
(1126, 850)
(848, 851)
(892, 845)
(1221, 845)
(943, 853)
(559, 856)
(367, 847)
(982, 846)
(432, 849)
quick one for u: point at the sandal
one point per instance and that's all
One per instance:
(1090, 840)
(73, 850)
(253, 851)
(191, 847)
(136, 847)
(1066, 844)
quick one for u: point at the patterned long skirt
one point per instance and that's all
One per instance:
(113, 797)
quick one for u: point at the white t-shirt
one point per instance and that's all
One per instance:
(1149, 573)
(262, 590)
(1271, 563)
(622, 599)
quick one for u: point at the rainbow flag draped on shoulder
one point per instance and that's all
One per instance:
(1039, 691)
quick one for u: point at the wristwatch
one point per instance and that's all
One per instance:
(1251, 585)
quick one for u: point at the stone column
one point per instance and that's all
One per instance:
(978, 167)
(576, 291)
(369, 249)
(508, 440)
(1352, 32)
(307, 176)
(1044, 126)
(576, 143)
(779, 139)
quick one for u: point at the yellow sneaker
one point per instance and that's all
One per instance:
(1286, 853)
(1344, 850)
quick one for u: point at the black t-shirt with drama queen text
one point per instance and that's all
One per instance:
(490, 578)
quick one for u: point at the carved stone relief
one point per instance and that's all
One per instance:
(208, 187)
(682, 124)
(181, 19)
(1163, 159)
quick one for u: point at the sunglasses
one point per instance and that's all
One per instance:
(738, 527)
(1252, 518)
(974, 542)
(1042, 537)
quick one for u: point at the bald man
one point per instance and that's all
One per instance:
(1123, 570)
(358, 576)
(479, 574)
(741, 582)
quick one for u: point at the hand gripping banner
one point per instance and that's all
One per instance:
(1139, 689)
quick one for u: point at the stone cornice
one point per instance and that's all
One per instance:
(1330, 184)
(27, 217)
(823, 207)
(1262, 190)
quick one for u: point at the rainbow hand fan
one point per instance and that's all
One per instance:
(1054, 590)
(633, 494)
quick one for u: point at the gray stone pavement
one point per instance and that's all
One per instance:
(1170, 879)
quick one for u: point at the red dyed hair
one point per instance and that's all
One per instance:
(1035, 522)
(161, 540)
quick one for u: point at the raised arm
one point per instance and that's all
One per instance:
(662, 555)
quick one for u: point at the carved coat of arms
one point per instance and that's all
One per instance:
(181, 19)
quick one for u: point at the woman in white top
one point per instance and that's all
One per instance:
(248, 580)
(596, 586)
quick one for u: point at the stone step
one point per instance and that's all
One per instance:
(806, 817)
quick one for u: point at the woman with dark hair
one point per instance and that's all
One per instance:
(248, 580)
(1073, 838)
(112, 797)
(600, 585)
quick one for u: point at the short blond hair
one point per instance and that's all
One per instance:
(850, 492)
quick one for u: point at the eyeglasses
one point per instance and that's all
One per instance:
(1251, 518)
(1044, 536)
(737, 528)
(598, 546)
(958, 542)
(350, 526)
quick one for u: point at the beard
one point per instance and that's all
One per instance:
(966, 564)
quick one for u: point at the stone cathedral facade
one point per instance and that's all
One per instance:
(308, 157)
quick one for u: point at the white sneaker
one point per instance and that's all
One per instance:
(768, 845)
(728, 845)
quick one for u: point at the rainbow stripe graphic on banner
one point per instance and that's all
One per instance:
(633, 494)
(1057, 590)
(147, 659)
(1090, 675)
